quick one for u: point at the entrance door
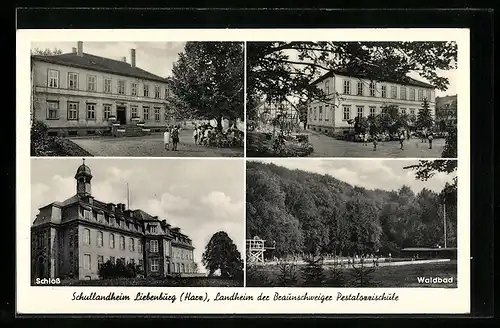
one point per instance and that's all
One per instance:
(121, 116)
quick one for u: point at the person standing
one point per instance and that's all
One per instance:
(365, 139)
(401, 140)
(375, 142)
(195, 135)
(175, 138)
(166, 138)
(430, 137)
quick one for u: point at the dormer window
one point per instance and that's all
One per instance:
(153, 229)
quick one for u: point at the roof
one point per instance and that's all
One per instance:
(143, 216)
(348, 72)
(83, 169)
(101, 64)
(428, 249)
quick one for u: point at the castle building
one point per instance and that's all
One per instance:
(446, 110)
(350, 94)
(73, 238)
(80, 94)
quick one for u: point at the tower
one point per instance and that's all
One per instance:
(83, 177)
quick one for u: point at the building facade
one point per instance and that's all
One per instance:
(350, 95)
(446, 110)
(78, 93)
(73, 238)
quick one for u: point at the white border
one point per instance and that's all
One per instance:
(35, 300)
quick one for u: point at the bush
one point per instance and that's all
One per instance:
(313, 273)
(287, 274)
(362, 275)
(110, 270)
(256, 277)
(39, 132)
(336, 276)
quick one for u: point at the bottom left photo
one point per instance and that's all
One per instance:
(137, 222)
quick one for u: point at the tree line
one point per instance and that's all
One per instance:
(309, 213)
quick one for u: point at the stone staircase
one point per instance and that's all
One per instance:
(129, 130)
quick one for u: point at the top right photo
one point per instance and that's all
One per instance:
(352, 99)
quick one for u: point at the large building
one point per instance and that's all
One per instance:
(79, 93)
(446, 110)
(350, 94)
(75, 237)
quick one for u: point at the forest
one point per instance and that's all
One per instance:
(310, 213)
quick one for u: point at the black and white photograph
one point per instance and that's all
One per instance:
(142, 99)
(351, 223)
(352, 99)
(137, 222)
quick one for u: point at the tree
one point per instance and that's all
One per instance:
(278, 70)
(222, 254)
(424, 117)
(207, 81)
(46, 52)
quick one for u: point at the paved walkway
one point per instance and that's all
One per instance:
(325, 146)
(152, 146)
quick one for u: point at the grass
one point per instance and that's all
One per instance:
(386, 276)
(56, 146)
(167, 282)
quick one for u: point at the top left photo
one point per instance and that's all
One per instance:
(137, 99)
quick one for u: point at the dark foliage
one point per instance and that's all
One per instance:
(222, 254)
(110, 270)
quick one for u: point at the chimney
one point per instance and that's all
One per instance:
(74, 50)
(132, 57)
(80, 48)
(124, 59)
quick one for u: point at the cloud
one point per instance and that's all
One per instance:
(222, 206)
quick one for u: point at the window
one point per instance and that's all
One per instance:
(321, 113)
(315, 114)
(122, 242)
(394, 92)
(327, 88)
(384, 91)
(91, 83)
(72, 111)
(310, 113)
(183, 269)
(327, 112)
(360, 110)
(52, 110)
(373, 110)
(166, 93)
(86, 236)
(178, 267)
(133, 110)
(86, 261)
(420, 95)
(412, 94)
(131, 244)
(153, 229)
(140, 263)
(372, 89)
(90, 111)
(347, 87)
(403, 111)
(146, 112)
(112, 259)
(360, 89)
(133, 89)
(155, 265)
(347, 113)
(428, 95)
(157, 114)
(107, 85)
(157, 92)
(111, 240)
(72, 81)
(107, 111)
(146, 90)
(53, 76)
(153, 246)
(403, 93)
(100, 261)
(121, 87)
(99, 239)
(94, 215)
(139, 246)
(412, 111)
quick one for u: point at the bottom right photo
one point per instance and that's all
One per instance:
(351, 223)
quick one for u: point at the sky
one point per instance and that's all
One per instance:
(368, 173)
(154, 57)
(201, 196)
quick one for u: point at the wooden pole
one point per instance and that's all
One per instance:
(444, 222)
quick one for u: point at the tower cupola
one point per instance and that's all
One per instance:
(83, 177)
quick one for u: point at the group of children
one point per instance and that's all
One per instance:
(209, 136)
(171, 135)
(402, 136)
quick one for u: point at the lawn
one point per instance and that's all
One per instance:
(386, 276)
(167, 282)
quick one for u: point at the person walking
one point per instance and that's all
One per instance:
(430, 137)
(401, 140)
(166, 138)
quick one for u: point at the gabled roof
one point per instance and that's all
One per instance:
(101, 64)
(143, 216)
(349, 72)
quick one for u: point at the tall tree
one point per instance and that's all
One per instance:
(278, 70)
(207, 81)
(424, 117)
(46, 52)
(222, 254)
